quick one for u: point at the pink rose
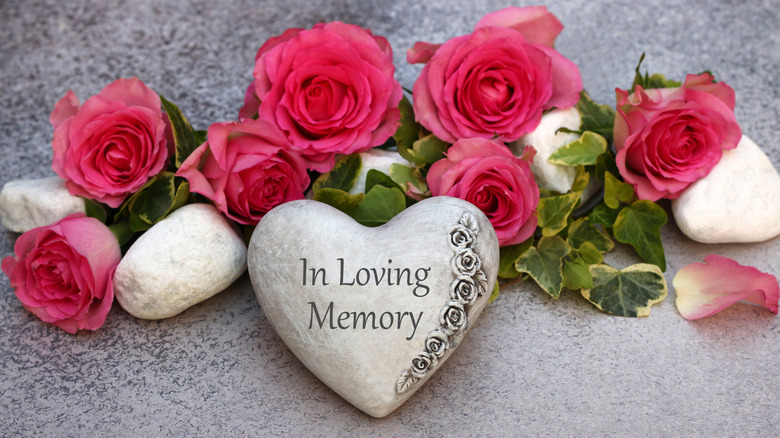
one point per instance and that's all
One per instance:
(496, 81)
(113, 144)
(63, 272)
(486, 174)
(330, 90)
(246, 169)
(668, 138)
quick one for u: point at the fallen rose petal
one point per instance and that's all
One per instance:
(704, 289)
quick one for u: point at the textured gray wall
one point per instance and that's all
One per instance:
(531, 366)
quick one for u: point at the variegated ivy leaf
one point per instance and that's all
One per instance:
(343, 175)
(639, 225)
(553, 212)
(629, 292)
(408, 178)
(184, 137)
(597, 118)
(378, 206)
(583, 151)
(508, 255)
(544, 263)
(616, 191)
(582, 231)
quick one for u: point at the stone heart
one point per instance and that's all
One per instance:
(373, 312)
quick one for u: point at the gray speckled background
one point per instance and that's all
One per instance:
(531, 366)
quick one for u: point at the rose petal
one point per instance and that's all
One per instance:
(704, 289)
(536, 23)
(421, 53)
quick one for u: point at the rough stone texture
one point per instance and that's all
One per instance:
(305, 256)
(29, 203)
(378, 159)
(182, 260)
(532, 366)
(739, 201)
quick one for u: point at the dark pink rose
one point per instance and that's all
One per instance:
(668, 138)
(246, 168)
(63, 272)
(496, 81)
(112, 145)
(329, 89)
(500, 184)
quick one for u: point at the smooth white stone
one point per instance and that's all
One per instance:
(363, 365)
(27, 204)
(546, 140)
(182, 260)
(739, 201)
(378, 159)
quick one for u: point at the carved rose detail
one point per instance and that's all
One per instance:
(469, 283)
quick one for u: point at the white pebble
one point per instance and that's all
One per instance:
(27, 204)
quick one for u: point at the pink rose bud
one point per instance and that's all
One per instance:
(63, 272)
(112, 145)
(668, 138)
(489, 176)
(246, 168)
(330, 90)
(496, 81)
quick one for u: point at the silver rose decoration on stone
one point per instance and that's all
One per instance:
(469, 283)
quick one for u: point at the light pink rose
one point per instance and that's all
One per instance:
(668, 138)
(330, 90)
(496, 81)
(246, 169)
(112, 145)
(500, 184)
(63, 272)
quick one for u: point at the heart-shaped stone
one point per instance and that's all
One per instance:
(374, 312)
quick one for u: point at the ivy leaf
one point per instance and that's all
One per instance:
(183, 134)
(603, 216)
(606, 163)
(545, 264)
(429, 149)
(585, 150)
(407, 133)
(338, 199)
(616, 191)
(576, 275)
(151, 203)
(581, 179)
(581, 231)
(596, 118)
(639, 225)
(553, 212)
(343, 175)
(508, 256)
(378, 206)
(590, 254)
(122, 232)
(630, 292)
(494, 294)
(375, 177)
(95, 210)
(408, 177)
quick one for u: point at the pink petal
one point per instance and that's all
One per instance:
(65, 108)
(536, 23)
(704, 289)
(421, 53)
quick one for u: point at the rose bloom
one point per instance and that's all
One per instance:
(246, 169)
(668, 138)
(63, 272)
(486, 174)
(496, 81)
(330, 90)
(112, 145)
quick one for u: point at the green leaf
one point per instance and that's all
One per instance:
(581, 180)
(494, 294)
(590, 254)
(407, 133)
(429, 149)
(122, 232)
(343, 175)
(639, 225)
(375, 177)
(182, 195)
(596, 118)
(379, 205)
(630, 292)
(585, 150)
(405, 175)
(183, 134)
(544, 263)
(603, 216)
(508, 256)
(581, 231)
(576, 275)
(616, 191)
(338, 199)
(606, 163)
(657, 80)
(95, 210)
(152, 203)
(553, 212)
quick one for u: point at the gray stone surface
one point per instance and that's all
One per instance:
(531, 366)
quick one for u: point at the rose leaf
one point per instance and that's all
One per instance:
(581, 231)
(704, 289)
(508, 256)
(553, 212)
(183, 134)
(378, 206)
(544, 263)
(596, 118)
(603, 216)
(616, 191)
(585, 150)
(629, 292)
(408, 177)
(339, 199)
(343, 175)
(639, 225)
